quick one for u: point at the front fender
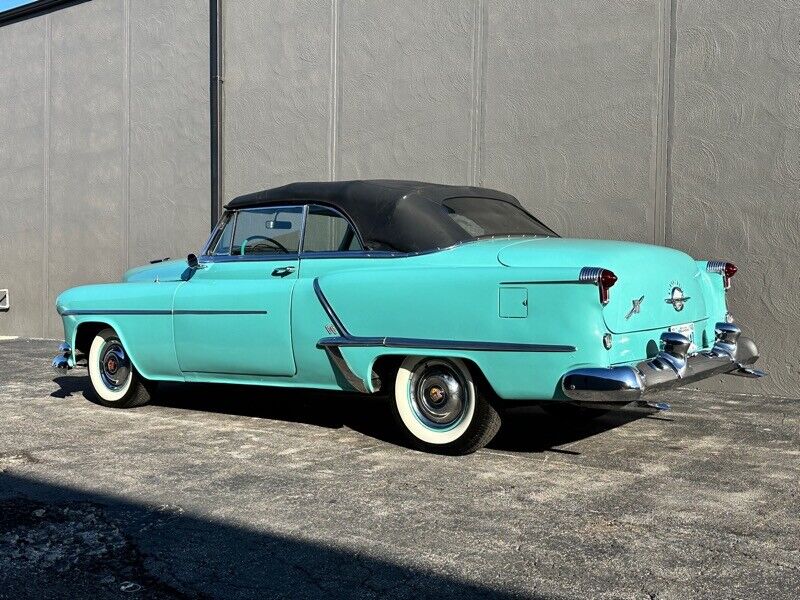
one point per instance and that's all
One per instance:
(140, 313)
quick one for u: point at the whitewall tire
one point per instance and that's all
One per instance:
(440, 407)
(114, 379)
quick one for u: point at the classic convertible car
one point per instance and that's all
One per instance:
(454, 300)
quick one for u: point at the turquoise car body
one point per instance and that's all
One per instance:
(513, 307)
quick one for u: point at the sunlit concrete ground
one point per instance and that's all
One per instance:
(219, 492)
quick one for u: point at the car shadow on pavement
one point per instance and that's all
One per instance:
(63, 542)
(530, 429)
(527, 429)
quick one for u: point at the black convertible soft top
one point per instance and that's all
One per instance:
(389, 214)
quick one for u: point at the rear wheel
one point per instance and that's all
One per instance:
(115, 381)
(440, 408)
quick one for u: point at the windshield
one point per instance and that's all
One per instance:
(259, 231)
(481, 217)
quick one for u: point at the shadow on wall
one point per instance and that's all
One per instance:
(58, 542)
(524, 429)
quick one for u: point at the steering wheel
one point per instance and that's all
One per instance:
(275, 243)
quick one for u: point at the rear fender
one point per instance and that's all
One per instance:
(442, 303)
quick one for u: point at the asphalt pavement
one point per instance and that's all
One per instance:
(237, 492)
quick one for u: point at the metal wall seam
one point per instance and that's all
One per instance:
(333, 99)
(216, 108)
(663, 116)
(479, 40)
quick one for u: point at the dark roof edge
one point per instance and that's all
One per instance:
(330, 190)
(34, 9)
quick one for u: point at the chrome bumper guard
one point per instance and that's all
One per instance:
(672, 367)
(61, 363)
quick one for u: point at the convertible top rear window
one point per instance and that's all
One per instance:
(481, 217)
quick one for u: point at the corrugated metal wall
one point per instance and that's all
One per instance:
(662, 121)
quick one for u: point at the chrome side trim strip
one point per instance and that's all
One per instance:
(69, 313)
(335, 355)
(337, 322)
(81, 312)
(348, 340)
(433, 344)
(219, 312)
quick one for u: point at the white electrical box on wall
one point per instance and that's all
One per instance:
(4, 301)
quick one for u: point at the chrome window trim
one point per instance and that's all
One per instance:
(233, 233)
(353, 254)
(303, 222)
(227, 258)
(204, 250)
(342, 215)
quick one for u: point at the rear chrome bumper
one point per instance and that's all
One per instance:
(61, 363)
(672, 367)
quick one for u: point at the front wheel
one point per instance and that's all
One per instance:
(440, 407)
(115, 381)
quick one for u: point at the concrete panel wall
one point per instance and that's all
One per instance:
(569, 91)
(104, 148)
(87, 205)
(404, 72)
(735, 164)
(23, 247)
(277, 59)
(555, 102)
(168, 169)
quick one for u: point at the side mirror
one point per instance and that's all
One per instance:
(194, 264)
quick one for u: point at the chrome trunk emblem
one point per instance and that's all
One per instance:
(636, 308)
(677, 299)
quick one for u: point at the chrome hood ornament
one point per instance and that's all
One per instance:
(636, 308)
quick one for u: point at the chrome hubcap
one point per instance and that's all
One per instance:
(438, 394)
(115, 368)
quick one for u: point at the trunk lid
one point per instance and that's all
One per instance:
(664, 282)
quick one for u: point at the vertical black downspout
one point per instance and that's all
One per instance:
(215, 51)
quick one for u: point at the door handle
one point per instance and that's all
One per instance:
(282, 271)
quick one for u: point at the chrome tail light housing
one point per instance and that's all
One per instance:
(726, 269)
(604, 279)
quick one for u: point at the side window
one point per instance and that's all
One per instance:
(328, 231)
(263, 231)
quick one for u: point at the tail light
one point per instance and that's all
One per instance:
(726, 269)
(602, 278)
